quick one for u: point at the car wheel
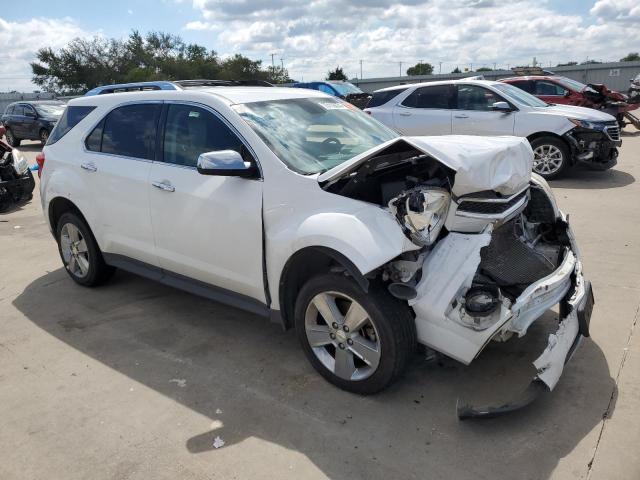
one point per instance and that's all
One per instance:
(550, 157)
(44, 136)
(358, 341)
(79, 252)
(11, 139)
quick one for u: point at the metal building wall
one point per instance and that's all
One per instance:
(7, 98)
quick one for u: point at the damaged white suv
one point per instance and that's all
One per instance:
(297, 206)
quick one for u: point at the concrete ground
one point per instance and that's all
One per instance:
(135, 380)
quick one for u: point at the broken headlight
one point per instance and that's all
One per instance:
(20, 164)
(422, 212)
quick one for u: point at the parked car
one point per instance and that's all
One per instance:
(560, 90)
(366, 242)
(344, 90)
(16, 180)
(31, 120)
(560, 135)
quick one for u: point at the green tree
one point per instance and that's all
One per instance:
(484, 69)
(420, 68)
(631, 57)
(87, 63)
(337, 74)
(456, 70)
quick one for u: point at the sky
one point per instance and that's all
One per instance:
(310, 37)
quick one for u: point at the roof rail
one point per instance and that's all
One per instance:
(222, 83)
(133, 87)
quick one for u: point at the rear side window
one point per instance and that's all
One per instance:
(380, 98)
(437, 96)
(129, 131)
(191, 131)
(69, 119)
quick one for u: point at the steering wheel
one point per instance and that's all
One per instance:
(332, 141)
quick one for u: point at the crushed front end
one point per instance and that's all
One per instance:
(16, 180)
(475, 288)
(595, 143)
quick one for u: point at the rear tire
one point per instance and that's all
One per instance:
(80, 253)
(551, 157)
(11, 139)
(373, 352)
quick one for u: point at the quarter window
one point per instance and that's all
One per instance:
(129, 131)
(473, 97)
(70, 118)
(191, 131)
(429, 97)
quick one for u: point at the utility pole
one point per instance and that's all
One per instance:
(400, 63)
(282, 63)
(273, 65)
(360, 69)
(494, 65)
(439, 68)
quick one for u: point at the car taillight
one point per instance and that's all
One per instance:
(40, 161)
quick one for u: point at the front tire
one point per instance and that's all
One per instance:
(44, 136)
(550, 157)
(80, 253)
(11, 139)
(358, 341)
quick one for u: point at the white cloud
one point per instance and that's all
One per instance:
(19, 42)
(318, 35)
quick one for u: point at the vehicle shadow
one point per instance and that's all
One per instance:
(582, 178)
(253, 379)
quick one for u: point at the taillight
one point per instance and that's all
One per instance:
(40, 161)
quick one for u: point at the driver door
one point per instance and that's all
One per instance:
(207, 228)
(474, 114)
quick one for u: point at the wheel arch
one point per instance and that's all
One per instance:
(561, 138)
(58, 206)
(303, 265)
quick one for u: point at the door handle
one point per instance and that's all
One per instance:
(461, 116)
(164, 185)
(89, 167)
(405, 114)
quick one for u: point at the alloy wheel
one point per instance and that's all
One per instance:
(547, 159)
(74, 250)
(342, 335)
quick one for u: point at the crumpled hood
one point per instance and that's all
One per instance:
(502, 164)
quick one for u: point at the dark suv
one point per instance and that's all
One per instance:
(31, 120)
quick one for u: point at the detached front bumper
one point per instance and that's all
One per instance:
(441, 324)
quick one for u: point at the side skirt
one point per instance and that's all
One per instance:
(190, 285)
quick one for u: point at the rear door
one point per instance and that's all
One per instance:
(116, 166)
(425, 111)
(30, 122)
(206, 227)
(18, 122)
(474, 114)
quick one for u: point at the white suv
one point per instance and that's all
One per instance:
(560, 135)
(295, 205)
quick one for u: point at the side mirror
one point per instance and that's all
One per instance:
(501, 107)
(226, 163)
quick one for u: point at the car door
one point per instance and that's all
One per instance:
(207, 228)
(551, 92)
(30, 122)
(116, 165)
(425, 111)
(18, 121)
(474, 114)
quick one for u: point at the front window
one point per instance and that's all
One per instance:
(473, 97)
(312, 135)
(519, 96)
(571, 84)
(346, 88)
(50, 110)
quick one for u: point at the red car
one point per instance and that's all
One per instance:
(563, 90)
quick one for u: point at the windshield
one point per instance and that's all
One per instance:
(312, 135)
(519, 96)
(50, 110)
(571, 84)
(345, 88)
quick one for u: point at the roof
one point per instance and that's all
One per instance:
(229, 95)
(441, 82)
(531, 77)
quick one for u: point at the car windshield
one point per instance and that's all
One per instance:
(571, 84)
(519, 96)
(345, 88)
(312, 135)
(50, 110)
